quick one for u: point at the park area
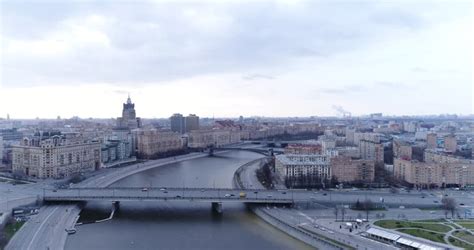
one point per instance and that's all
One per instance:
(456, 233)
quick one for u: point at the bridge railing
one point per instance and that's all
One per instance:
(205, 198)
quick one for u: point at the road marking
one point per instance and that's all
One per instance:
(39, 229)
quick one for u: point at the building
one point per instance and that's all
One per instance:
(348, 170)
(328, 143)
(434, 174)
(11, 134)
(129, 119)
(152, 143)
(201, 139)
(307, 149)
(191, 122)
(373, 137)
(431, 140)
(56, 155)
(1, 150)
(450, 143)
(402, 149)
(303, 170)
(177, 123)
(115, 150)
(370, 150)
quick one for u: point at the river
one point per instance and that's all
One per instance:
(181, 225)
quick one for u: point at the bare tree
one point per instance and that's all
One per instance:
(343, 212)
(449, 205)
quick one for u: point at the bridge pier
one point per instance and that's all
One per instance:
(217, 207)
(211, 150)
(116, 205)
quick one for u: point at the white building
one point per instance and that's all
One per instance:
(293, 168)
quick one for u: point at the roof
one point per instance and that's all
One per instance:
(416, 244)
(383, 234)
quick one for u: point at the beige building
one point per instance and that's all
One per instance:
(217, 138)
(370, 150)
(402, 150)
(372, 137)
(424, 174)
(450, 143)
(431, 141)
(346, 169)
(152, 143)
(55, 156)
(303, 149)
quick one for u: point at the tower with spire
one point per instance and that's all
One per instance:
(129, 119)
(128, 112)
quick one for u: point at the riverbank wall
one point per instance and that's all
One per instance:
(313, 240)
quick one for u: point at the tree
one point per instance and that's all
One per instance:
(343, 212)
(394, 190)
(449, 205)
(367, 205)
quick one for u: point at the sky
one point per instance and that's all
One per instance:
(232, 58)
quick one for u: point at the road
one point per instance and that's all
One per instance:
(169, 194)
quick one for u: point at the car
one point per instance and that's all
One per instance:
(255, 192)
(461, 204)
(227, 195)
(445, 194)
(269, 196)
(432, 212)
(232, 195)
(144, 189)
(283, 192)
(423, 197)
(165, 192)
(162, 189)
(202, 190)
(325, 194)
(436, 201)
(178, 196)
(54, 190)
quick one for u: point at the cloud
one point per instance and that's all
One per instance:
(252, 77)
(149, 43)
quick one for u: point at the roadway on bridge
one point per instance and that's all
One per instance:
(414, 199)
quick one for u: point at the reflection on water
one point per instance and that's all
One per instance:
(180, 224)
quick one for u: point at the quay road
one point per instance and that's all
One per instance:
(413, 199)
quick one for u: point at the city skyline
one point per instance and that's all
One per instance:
(296, 58)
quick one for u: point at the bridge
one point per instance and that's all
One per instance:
(218, 196)
(215, 196)
(267, 152)
(169, 194)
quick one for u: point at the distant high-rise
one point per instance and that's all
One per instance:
(450, 143)
(191, 122)
(128, 112)
(431, 140)
(129, 119)
(177, 123)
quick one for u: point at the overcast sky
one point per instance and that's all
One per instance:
(231, 58)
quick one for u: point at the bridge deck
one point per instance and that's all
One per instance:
(168, 194)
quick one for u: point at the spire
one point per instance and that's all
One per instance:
(129, 101)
